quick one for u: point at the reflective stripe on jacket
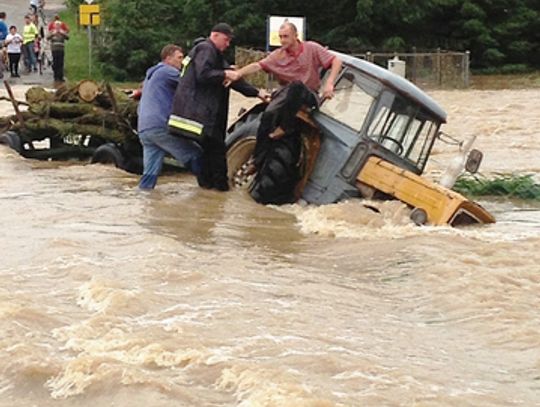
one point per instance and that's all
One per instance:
(186, 127)
(200, 96)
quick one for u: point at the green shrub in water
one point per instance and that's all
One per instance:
(507, 185)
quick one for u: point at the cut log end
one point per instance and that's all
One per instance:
(88, 90)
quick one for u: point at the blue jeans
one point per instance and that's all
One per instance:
(29, 56)
(156, 143)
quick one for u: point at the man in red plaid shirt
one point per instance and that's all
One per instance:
(298, 61)
(297, 66)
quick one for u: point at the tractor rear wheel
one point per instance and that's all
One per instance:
(276, 181)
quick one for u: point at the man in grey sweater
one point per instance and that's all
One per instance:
(154, 109)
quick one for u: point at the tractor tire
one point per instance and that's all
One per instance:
(133, 165)
(240, 144)
(239, 157)
(12, 140)
(276, 181)
(108, 154)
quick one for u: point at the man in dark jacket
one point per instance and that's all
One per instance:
(201, 102)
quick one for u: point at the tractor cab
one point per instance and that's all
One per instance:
(374, 113)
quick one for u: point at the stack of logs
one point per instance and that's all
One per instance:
(86, 109)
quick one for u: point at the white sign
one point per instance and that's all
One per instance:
(89, 1)
(274, 22)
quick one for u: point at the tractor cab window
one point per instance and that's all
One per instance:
(402, 127)
(354, 95)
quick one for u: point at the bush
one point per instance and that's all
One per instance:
(485, 28)
(507, 69)
(394, 44)
(506, 185)
(515, 68)
(74, 4)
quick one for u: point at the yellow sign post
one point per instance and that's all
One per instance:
(89, 16)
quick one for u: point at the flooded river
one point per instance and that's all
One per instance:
(187, 297)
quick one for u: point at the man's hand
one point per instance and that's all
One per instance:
(328, 91)
(230, 77)
(264, 96)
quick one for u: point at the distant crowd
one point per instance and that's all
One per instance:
(39, 46)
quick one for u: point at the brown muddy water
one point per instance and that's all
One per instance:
(186, 297)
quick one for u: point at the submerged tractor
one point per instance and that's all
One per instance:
(372, 140)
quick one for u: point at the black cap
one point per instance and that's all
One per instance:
(223, 28)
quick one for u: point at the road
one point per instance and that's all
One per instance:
(16, 10)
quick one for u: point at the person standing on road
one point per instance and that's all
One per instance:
(58, 24)
(201, 103)
(3, 26)
(154, 109)
(57, 36)
(14, 43)
(29, 33)
(3, 35)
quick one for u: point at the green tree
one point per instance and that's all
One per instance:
(134, 34)
(497, 32)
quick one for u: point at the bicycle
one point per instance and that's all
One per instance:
(38, 12)
(45, 57)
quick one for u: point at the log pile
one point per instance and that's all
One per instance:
(86, 110)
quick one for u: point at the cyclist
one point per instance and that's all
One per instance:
(34, 5)
(36, 11)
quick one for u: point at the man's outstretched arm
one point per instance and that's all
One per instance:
(249, 69)
(328, 89)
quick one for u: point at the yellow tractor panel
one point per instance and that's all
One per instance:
(442, 205)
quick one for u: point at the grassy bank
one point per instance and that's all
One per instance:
(505, 185)
(76, 59)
